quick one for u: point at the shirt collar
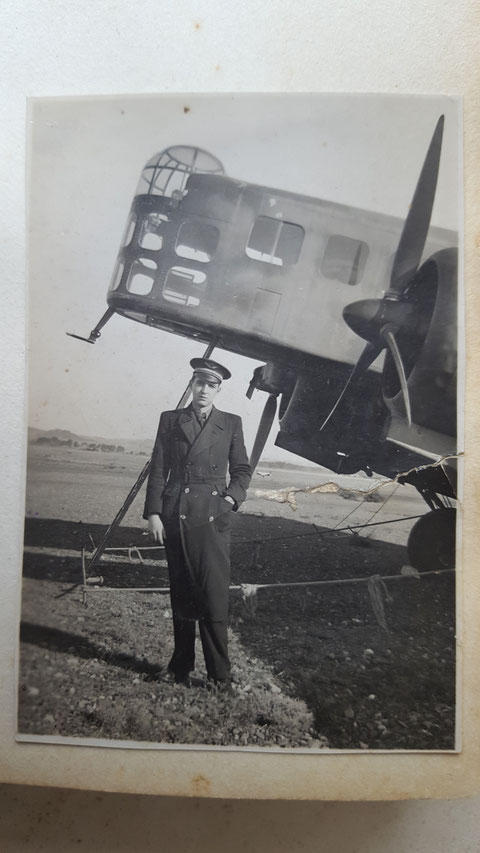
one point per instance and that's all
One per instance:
(205, 413)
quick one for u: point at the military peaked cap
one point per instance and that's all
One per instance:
(212, 371)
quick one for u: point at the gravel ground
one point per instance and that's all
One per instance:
(313, 668)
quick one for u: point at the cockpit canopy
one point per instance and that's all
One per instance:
(166, 173)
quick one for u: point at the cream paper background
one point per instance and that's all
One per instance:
(67, 48)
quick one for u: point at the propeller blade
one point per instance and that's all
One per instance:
(263, 431)
(397, 358)
(417, 223)
(367, 357)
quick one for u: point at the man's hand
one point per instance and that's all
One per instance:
(156, 529)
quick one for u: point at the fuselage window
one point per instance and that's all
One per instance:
(141, 277)
(197, 241)
(151, 232)
(344, 259)
(274, 241)
(184, 286)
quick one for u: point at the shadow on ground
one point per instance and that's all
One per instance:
(56, 640)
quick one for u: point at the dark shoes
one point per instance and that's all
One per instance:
(219, 686)
(171, 677)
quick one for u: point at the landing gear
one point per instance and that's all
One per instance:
(431, 544)
(95, 333)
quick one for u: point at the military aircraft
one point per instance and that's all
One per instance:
(353, 312)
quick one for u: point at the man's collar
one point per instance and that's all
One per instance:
(205, 413)
(216, 415)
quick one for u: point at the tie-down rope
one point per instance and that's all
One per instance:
(377, 588)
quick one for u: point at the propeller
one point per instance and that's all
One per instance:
(263, 431)
(380, 322)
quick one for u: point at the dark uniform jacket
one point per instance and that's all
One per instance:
(186, 487)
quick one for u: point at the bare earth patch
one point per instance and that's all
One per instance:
(94, 672)
(312, 667)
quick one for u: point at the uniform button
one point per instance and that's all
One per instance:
(211, 518)
(183, 517)
(214, 493)
(187, 490)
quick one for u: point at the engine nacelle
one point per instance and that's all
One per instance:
(344, 444)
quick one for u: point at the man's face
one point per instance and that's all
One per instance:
(204, 392)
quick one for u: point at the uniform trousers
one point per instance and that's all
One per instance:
(187, 605)
(214, 644)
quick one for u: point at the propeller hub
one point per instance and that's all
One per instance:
(369, 317)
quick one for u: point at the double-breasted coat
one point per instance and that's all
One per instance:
(191, 472)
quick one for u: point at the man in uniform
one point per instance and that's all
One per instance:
(188, 507)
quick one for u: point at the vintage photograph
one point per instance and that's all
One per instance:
(242, 517)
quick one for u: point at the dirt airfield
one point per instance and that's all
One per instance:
(351, 664)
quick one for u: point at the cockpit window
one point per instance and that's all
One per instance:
(197, 241)
(274, 241)
(117, 275)
(344, 259)
(184, 286)
(151, 231)
(129, 230)
(142, 275)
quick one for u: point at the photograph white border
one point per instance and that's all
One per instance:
(400, 52)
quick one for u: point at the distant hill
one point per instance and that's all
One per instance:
(62, 436)
(56, 437)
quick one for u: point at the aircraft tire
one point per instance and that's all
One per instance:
(431, 544)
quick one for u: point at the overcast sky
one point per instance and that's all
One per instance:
(86, 155)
